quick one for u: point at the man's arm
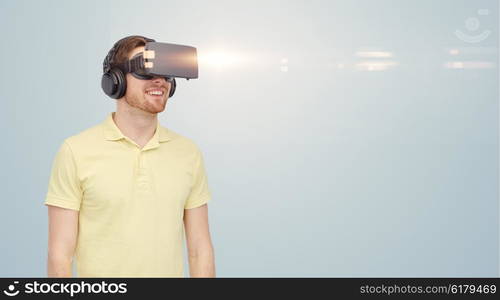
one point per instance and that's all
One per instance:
(199, 244)
(63, 232)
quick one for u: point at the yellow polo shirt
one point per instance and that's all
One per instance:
(131, 201)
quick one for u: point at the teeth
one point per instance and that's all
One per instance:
(159, 93)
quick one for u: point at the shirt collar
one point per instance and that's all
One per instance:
(113, 133)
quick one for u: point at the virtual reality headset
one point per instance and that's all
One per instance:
(163, 60)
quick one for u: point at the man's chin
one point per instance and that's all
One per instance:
(156, 109)
(153, 108)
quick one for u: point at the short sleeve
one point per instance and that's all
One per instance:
(200, 193)
(64, 185)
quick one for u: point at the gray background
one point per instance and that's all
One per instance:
(320, 164)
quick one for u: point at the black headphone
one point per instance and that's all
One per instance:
(113, 81)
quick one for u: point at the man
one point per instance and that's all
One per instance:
(123, 193)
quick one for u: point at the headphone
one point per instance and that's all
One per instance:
(114, 81)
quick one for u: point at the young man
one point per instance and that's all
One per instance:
(123, 193)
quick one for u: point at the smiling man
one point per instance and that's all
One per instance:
(123, 194)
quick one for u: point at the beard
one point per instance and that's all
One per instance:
(144, 104)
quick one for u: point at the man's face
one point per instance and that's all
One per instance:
(142, 94)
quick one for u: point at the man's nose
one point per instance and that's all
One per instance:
(159, 79)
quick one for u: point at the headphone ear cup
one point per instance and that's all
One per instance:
(108, 85)
(173, 85)
(121, 83)
(114, 83)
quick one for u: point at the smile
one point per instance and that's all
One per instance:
(155, 92)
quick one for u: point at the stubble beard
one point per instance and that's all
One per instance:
(143, 104)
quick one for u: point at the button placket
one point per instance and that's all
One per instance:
(142, 178)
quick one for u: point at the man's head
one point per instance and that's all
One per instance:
(148, 95)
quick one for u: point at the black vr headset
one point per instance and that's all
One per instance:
(158, 60)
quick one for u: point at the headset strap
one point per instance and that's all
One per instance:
(132, 65)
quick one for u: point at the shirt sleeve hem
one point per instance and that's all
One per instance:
(203, 201)
(59, 202)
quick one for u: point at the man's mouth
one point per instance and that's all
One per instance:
(155, 92)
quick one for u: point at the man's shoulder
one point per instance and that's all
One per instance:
(180, 139)
(89, 137)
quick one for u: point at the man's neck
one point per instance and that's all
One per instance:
(137, 126)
